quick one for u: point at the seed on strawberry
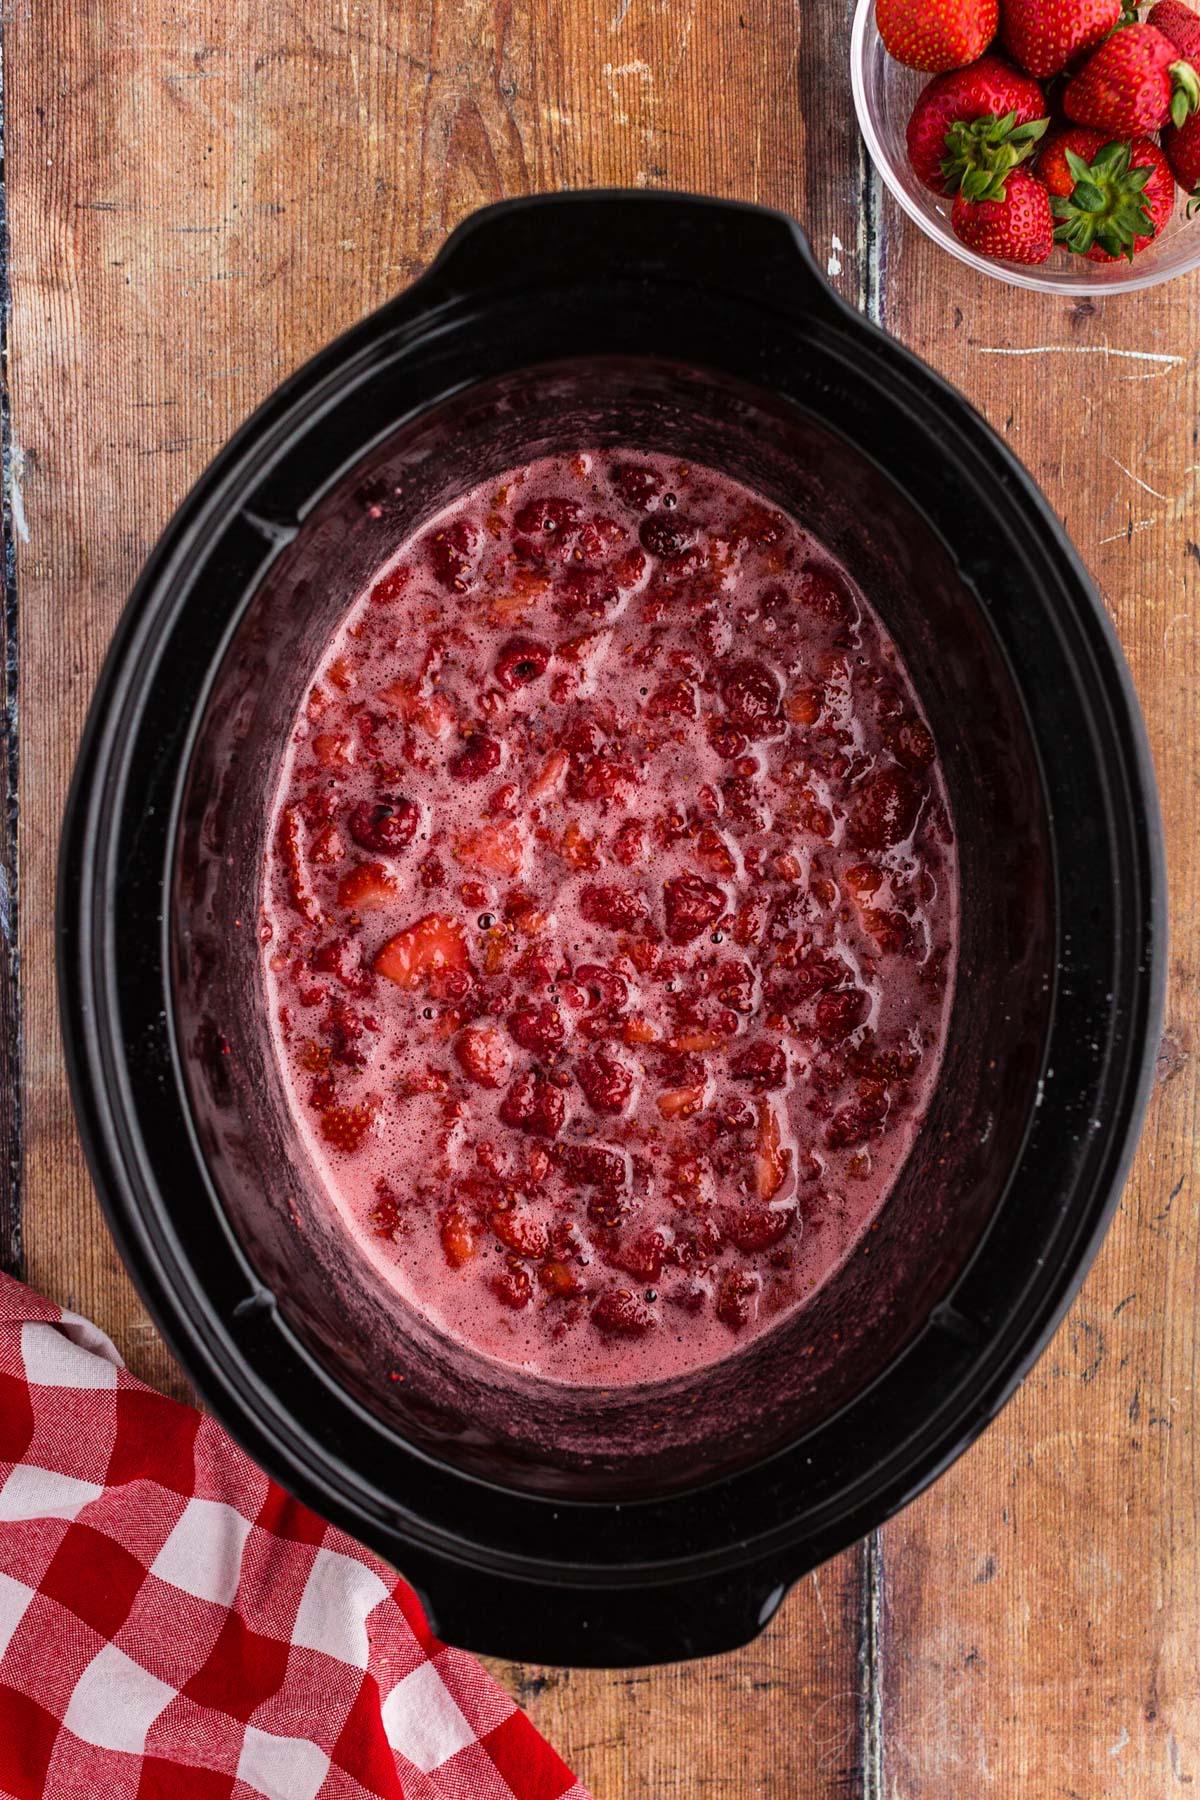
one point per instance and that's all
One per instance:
(483, 1055)
(535, 1105)
(477, 758)
(971, 126)
(605, 903)
(620, 1313)
(367, 885)
(387, 825)
(936, 34)
(606, 1081)
(1179, 23)
(430, 947)
(538, 1028)
(691, 905)
(520, 661)
(1134, 83)
(1016, 227)
(345, 1127)
(1111, 199)
(1182, 146)
(1045, 35)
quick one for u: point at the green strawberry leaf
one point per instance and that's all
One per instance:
(980, 153)
(1185, 92)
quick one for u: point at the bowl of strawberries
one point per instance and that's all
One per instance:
(1054, 144)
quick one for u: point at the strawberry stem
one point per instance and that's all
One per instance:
(1107, 205)
(981, 152)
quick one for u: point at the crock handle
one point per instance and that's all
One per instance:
(565, 240)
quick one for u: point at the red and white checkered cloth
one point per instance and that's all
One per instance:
(174, 1627)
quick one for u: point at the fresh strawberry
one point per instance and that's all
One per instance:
(1110, 199)
(936, 34)
(367, 885)
(431, 946)
(1182, 146)
(1044, 35)
(970, 127)
(1017, 228)
(1179, 23)
(1134, 83)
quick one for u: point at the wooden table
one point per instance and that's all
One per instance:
(202, 192)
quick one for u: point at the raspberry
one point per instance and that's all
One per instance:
(841, 1012)
(762, 1064)
(342, 958)
(913, 745)
(449, 550)
(637, 485)
(607, 1083)
(642, 1255)
(826, 593)
(513, 1287)
(622, 1314)
(549, 517)
(885, 809)
(538, 1028)
(752, 694)
(591, 1165)
(674, 699)
(737, 1298)
(692, 905)
(607, 904)
(534, 1105)
(662, 534)
(753, 1227)
(477, 758)
(484, 1055)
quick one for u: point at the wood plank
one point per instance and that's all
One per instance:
(1040, 1604)
(203, 194)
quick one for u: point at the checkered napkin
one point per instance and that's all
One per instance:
(174, 1627)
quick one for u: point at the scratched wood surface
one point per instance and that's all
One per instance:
(199, 195)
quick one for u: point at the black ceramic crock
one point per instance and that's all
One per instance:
(614, 1529)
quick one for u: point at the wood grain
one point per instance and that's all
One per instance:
(200, 195)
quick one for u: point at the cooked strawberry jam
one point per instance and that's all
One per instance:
(610, 918)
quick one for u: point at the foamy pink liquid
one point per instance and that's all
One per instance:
(831, 1193)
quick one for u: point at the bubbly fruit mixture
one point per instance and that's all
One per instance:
(609, 918)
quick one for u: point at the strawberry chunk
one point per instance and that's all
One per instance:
(513, 1288)
(521, 1231)
(450, 552)
(752, 697)
(591, 1165)
(492, 850)
(291, 852)
(458, 1237)
(477, 758)
(346, 1127)
(367, 885)
(429, 947)
(754, 1228)
(737, 1298)
(762, 1064)
(484, 1056)
(771, 1160)
(841, 1012)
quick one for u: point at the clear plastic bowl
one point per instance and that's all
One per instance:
(884, 94)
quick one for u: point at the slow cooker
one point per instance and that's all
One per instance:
(664, 1521)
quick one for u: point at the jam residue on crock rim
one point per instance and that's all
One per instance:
(609, 918)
